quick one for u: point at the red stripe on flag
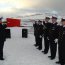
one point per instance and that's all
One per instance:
(13, 22)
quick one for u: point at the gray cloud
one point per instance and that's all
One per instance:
(57, 5)
(46, 6)
(43, 6)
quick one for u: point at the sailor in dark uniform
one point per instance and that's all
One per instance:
(4, 31)
(2, 39)
(61, 43)
(35, 25)
(53, 34)
(46, 35)
(40, 34)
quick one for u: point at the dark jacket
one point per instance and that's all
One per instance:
(40, 30)
(2, 33)
(61, 43)
(46, 27)
(53, 31)
(35, 29)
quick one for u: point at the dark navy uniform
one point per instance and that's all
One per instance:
(2, 39)
(40, 34)
(36, 33)
(61, 44)
(46, 37)
(53, 34)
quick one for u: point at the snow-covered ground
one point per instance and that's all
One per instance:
(21, 51)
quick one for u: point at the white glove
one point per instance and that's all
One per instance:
(47, 38)
(56, 40)
(40, 36)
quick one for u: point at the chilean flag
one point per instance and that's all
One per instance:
(13, 22)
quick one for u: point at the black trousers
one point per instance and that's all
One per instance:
(61, 52)
(36, 40)
(53, 48)
(46, 44)
(40, 42)
(1, 49)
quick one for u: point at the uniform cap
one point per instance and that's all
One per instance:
(63, 20)
(54, 17)
(39, 21)
(47, 17)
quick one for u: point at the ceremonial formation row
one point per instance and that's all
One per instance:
(53, 34)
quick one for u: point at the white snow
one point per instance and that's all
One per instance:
(21, 51)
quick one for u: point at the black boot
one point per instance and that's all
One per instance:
(39, 48)
(35, 45)
(49, 56)
(62, 63)
(58, 62)
(1, 58)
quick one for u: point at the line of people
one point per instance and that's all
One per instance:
(53, 34)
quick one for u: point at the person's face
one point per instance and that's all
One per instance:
(47, 20)
(54, 20)
(63, 23)
(40, 22)
(35, 22)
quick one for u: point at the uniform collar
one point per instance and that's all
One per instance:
(64, 26)
(40, 24)
(54, 23)
(46, 22)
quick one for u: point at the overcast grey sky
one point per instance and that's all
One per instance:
(28, 7)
